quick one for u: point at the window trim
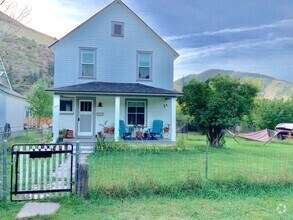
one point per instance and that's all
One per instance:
(95, 63)
(67, 99)
(145, 110)
(138, 52)
(113, 23)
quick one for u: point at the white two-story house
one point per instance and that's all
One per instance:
(113, 67)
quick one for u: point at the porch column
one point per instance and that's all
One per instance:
(173, 119)
(56, 116)
(117, 117)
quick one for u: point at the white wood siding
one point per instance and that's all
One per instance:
(116, 56)
(155, 110)
(15, 112)
(2, 109)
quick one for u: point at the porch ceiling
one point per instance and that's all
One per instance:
(106, 88)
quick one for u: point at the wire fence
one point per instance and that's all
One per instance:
(1, 169)
(157, 169)
(7, 140)
(124, 169)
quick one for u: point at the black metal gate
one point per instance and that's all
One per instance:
(39, 171)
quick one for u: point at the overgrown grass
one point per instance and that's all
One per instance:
(245, 181)
(134, 171)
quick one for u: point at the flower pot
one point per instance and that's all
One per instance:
(106, 130)
(166, 130)
(112, 130)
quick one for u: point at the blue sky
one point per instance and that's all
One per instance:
(251, 35)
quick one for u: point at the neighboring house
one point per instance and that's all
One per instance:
(113, 67)
(12, 105)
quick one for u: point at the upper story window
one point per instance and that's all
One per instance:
(144, 65)
(88, 62)
(117, 29)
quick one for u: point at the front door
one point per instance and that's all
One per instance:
(85, 118)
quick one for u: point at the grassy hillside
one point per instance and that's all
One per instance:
(25, 54)
(271, 88)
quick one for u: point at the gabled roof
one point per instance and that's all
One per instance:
(4, 80)
(106, 88)
(5, 85)
(121, 3)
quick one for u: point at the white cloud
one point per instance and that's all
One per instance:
(190, 58)
(282, 23)
(53, 17)
(197, 52)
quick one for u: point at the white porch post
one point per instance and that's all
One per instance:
(56, 116)
(173, 119)
(117, 117)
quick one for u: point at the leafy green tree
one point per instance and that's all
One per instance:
(40, 101)
(182, 119)
(269, 113)
(217, 104)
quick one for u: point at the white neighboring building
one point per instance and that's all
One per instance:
(12, 105)
(113, 67)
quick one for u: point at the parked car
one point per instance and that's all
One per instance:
(285, 130)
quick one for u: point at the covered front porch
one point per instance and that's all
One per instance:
(95, 114)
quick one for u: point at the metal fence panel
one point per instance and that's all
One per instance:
(39, 171)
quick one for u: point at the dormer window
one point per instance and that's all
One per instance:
(117, 29)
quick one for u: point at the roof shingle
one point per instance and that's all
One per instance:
(107, 88)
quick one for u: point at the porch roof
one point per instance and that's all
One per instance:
(107, 88)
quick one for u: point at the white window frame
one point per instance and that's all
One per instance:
(80, 62)
(67, 99)
(113, 23)
(150, 53)
(145, 110)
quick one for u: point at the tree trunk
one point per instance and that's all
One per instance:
(215, 136)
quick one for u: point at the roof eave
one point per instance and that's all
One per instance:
(114, 93)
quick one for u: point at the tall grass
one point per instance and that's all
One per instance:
(180, 169)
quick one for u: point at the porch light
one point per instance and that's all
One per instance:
(100, 105)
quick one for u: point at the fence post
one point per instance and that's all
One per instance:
(26, 135)
(207, 159)
(82, 186)
(77, 151)
(4, 170)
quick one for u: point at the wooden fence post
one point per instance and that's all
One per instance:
(83, 178)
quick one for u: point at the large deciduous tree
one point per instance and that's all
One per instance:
(217, 104)
(40, 101)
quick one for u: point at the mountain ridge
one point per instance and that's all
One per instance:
(25, 54)
(271, 88)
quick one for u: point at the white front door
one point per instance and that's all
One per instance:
(85, 118)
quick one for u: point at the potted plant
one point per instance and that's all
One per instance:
(167, 128)
(112, 130)
(61, 136)
(105, 128)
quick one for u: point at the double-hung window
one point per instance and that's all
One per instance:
(66, 105)
(88, 63)
(136, 112)
(144, 65)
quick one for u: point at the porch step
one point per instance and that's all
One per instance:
(85, 149)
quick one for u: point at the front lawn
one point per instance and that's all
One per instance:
(246, 181)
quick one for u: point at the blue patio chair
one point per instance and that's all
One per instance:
(122, 131)
(157, 130)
